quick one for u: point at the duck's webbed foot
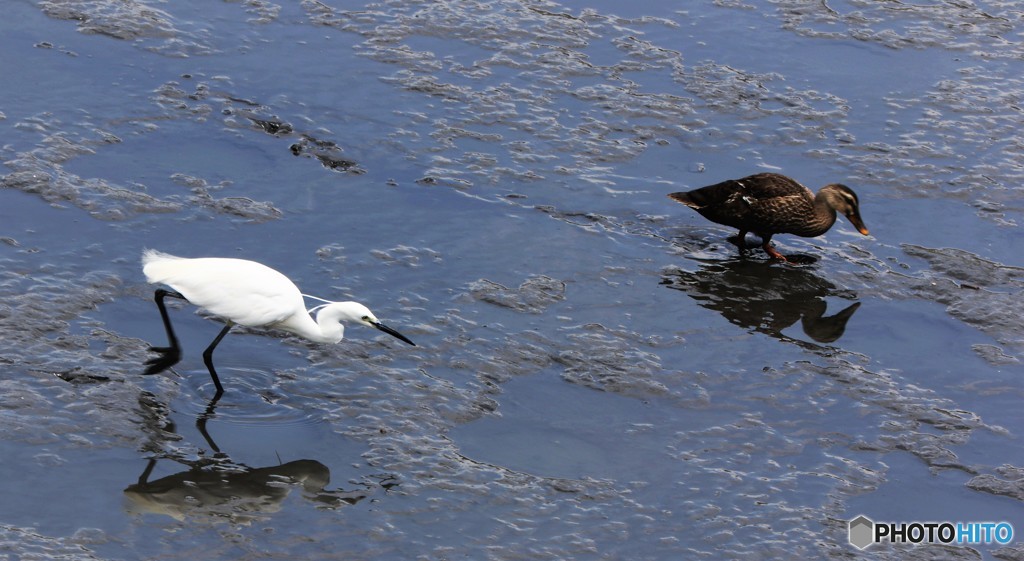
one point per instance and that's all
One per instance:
(772, 252)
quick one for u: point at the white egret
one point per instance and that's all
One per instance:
(245, 293)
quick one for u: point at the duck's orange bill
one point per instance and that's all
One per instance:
(857, 222)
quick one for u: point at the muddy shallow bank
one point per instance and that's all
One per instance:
(598, 375)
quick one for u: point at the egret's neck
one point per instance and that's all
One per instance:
(326, 328)
(328, 322)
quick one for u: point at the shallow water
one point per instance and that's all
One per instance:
(598, 375)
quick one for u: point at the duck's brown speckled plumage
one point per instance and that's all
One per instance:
(770, 203)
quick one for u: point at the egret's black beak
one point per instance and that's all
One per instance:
(391, 332)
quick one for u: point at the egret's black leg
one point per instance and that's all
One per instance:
(171, 354)
(208, 359)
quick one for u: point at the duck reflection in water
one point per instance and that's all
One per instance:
(765, 299)
(217, 488)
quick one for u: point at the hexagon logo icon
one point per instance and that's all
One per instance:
(862, 531)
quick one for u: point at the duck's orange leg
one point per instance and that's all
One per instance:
(771, 251)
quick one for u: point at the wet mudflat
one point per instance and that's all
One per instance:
(598, 374)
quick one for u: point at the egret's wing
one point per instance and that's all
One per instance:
(244, 292)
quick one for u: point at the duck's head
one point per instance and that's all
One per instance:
(844, 201)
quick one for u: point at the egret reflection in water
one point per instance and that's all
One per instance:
(222, 490)
(215, 487)
(759, 297)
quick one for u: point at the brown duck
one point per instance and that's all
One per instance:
(769, 203)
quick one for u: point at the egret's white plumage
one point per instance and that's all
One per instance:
(246, 292)
(250, 294)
